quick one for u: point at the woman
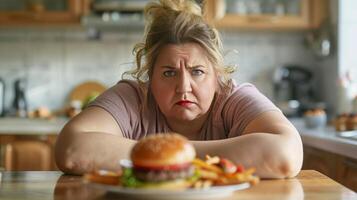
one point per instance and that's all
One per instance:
(181, 86)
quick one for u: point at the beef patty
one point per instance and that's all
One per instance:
(163, 175)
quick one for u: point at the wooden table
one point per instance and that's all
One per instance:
(54, 185)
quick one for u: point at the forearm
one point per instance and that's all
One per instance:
(273, 155)
(83, 152)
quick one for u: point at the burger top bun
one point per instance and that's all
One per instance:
(161, 150)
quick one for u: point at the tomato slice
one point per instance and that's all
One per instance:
(227, 165)
(240, 168)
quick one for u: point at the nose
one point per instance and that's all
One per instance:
(184, 82)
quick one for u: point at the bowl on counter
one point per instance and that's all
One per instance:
(315, 118)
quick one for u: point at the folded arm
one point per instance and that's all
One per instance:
(92, 140)
(270, 143)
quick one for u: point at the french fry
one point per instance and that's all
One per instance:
(201, 164)
(212, 160)
(207, 184)
(198, 184)
(206, 174)
(203, 184)
(255, 180)
(103, 176)
(212, 172)
(240, 177)
(249, 171)
(221, 181)
(229, 181)
(234, 176)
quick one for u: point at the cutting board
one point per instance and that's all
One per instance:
(85, 89)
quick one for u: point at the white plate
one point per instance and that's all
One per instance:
(214, 192)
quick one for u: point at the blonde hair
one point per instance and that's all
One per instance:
(176, 22)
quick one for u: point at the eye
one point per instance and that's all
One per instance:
(197, 72)
(169, 73)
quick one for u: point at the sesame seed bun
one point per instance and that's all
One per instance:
(162, 150)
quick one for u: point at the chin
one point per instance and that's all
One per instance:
(185, 117)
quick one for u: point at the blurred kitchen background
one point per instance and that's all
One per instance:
(299, 53)
(52, 55)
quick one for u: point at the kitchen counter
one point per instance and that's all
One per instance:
(25, 126)
(308, 184)
(326, 139)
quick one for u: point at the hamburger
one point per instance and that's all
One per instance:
(161, 161)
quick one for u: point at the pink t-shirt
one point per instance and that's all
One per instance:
(229, 116)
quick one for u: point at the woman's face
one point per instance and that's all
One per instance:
(183, 81)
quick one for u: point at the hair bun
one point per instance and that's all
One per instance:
(183, 5)
(156, 9)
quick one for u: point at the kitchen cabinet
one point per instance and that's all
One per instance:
(40, 12)
(28, 144)
(253, 14)
(337, 167)
(272, 14)
(347, 172)
(321, 161)
(27, 152)
(238, 14)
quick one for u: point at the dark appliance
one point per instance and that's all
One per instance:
(293, 90)
(20, 103)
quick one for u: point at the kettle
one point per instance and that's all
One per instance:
(20, 103)
(293, 89)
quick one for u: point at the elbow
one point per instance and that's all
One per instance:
(67, 162)
(279, 167)
(65, 156)
(285, 162)
(289, 167)
(66, 166)
(291, 160)
(63, 160)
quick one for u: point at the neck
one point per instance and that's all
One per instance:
(189, 129)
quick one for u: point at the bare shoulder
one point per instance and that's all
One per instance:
(94, 119)
(270, 122)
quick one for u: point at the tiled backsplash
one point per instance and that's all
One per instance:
(55, 60)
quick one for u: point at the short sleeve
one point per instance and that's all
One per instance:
(123, 102)
(242, 106)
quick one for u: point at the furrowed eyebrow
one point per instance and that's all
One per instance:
(196, 66)
(188, 67)
(167, 67)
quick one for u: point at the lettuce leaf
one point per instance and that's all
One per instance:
(129, 180)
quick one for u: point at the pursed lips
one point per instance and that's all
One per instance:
(184, 103)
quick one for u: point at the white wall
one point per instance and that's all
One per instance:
(344, 59)
(347, 59)
(55, 60)
(347, 36)
(328, 67)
